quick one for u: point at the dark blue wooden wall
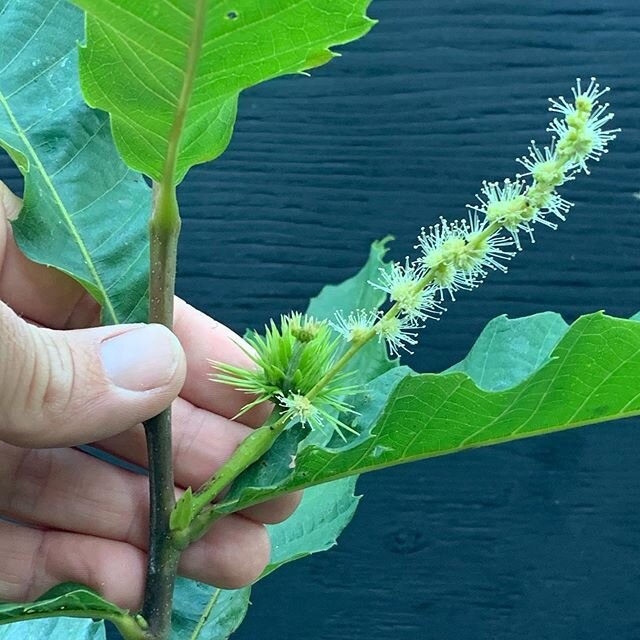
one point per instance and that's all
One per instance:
(539, 539)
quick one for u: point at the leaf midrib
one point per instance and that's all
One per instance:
(206, 614)
(66, 216)
(313, 481)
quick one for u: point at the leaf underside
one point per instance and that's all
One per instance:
(134, 60)
(508, 350)
(202, 612)
(55, 629)
(323, 514)
(85, 213)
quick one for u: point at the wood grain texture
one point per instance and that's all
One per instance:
(538, 539)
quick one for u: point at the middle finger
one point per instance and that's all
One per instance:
(202, 442)
(67, 490)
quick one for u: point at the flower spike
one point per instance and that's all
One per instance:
(488, 251)
(505, 204)
(581, 133)
(299, 364)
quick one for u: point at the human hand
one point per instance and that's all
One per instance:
(77, 518)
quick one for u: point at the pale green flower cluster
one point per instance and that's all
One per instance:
(300, 363)
(293, 361)
(458, 255)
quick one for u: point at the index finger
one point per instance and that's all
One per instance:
(204, 339)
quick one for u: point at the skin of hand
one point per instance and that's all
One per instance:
(65, 381)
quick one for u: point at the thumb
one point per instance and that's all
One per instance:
(64, 388)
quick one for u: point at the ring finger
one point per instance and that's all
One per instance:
(67, 490)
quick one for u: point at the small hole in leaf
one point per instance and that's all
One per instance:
(232, 15)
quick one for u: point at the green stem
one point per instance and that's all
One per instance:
(249, 451)
(131, 627)
(164, 228)
(341, 363)
(162, 559)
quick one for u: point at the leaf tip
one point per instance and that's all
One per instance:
(382, 244)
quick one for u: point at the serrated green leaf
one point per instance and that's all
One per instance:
(134, 64)
(54, 629)
(84, 211)
(591, 376)
(64, 599)
(202, 612)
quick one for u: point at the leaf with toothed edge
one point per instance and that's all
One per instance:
(135, 56)
(589, 377)
(89, 224)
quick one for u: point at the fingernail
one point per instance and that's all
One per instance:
(141, 359)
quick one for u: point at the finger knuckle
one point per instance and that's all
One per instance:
(42, 388)
(255, 554)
